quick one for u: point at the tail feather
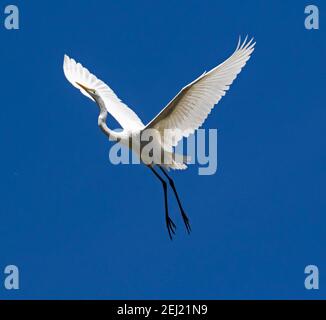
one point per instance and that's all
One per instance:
(179, 162)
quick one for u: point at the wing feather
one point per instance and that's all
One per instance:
(188, 110)
(75, 72)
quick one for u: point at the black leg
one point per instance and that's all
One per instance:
(184, 216)
(169, 223)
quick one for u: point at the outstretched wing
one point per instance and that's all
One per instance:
(75, 72)
(191, 106)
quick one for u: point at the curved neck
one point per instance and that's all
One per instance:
(102, 120)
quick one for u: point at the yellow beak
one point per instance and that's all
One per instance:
(83, 87)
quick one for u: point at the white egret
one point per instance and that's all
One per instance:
(184, 114)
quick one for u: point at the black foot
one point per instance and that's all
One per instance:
(171, 226)
(186, 222)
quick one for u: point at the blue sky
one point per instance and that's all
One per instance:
(79, 227)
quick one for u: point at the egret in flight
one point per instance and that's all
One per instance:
(184, 114)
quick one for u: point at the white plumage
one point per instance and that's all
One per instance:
(76, 73)
(190, 107)
(184, 114)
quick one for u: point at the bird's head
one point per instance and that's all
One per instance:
(88, 91)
